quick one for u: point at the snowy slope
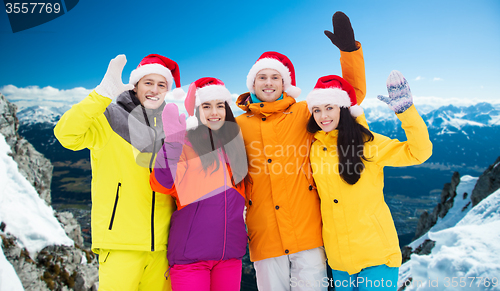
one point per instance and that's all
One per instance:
(26, 216)
(8, 277)
(467, 248)
(456, 213)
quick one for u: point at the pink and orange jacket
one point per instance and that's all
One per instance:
(208, 223)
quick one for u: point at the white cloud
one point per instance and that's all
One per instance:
(63, 99)
(420, 78)
(46, 96)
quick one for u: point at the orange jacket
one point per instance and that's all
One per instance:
(191, 181)
(283, 207)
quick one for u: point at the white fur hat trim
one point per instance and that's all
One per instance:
(212, 92)
(270, 63)
(144, 70)
(332, 96)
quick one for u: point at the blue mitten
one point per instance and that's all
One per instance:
(400, 97)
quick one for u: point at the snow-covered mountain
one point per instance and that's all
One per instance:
(462, 136)
(452, 117)
(466, 245)
(40, 115)
(41, 249)
(467, 131)
(465, 139)
(25, 215)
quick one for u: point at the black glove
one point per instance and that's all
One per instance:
(343, 36)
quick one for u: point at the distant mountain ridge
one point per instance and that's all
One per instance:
(470, 135)
(376, 111)
(40, 114)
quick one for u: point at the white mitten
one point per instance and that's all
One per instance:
(111, 85)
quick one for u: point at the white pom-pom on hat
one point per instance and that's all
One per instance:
(356, 110)
(191, 123)
(178, 94)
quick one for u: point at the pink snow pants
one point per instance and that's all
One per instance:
(207, 276)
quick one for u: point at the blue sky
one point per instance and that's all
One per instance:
(445, 48)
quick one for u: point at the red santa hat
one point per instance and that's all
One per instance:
(157, 64)
(201, 91)
(280, 63)
(334, 90)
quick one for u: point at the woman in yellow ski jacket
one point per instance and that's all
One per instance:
(347, 162)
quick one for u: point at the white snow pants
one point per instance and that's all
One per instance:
(301, 271)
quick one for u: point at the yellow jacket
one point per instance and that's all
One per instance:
(126, 213)
(283, 208)
(358, 229)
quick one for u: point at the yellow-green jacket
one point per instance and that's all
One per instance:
(126, 213)
(358, 229)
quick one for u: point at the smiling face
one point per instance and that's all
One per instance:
(213, 114)
(151, 90)
(326, 116)
(268, 85)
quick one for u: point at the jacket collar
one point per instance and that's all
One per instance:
(139, 126)
(128, 100)
(264, 108)
(327, 138)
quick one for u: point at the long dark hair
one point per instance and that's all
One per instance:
(205, 142)
(350, 145)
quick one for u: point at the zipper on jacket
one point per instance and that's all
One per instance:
(153, 196)
(114, 207)
(153, 199)
(153, 223)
